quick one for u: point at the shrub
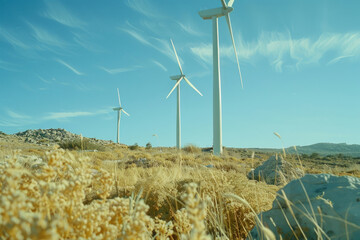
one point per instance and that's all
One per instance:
(148, 145)
(315, 155)
(77, 144)
(134, 147)
(192, 149)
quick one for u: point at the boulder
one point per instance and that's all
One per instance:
(29, 161)
(275, 171)
(330, 209)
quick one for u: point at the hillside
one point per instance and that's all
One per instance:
(323, 149)
(328, 149)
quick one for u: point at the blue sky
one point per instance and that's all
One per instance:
(61, 62)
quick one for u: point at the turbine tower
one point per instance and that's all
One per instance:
(178, 79)
(214, 14)
(119, 110)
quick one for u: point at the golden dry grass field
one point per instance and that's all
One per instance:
(138, 193)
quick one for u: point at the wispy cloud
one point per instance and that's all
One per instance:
(204, 52)
(44, 37)
(337, 59)
(52, 80)
(15, 119)
(66, 115)
(13, 41)
(160, 65)
(7, 66)
(161, 45)
(69, 67)
(84, 40)
(145, 8)
(57, 12)
(44, 80)
(137, 36)
(282, 50)
(189, 29)
(15, 115)
(120, 70)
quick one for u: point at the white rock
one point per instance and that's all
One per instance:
(28, 160)
(275, 171)
(334, 206)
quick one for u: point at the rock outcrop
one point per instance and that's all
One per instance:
(52, 136)
(275, 171)
(330, 209)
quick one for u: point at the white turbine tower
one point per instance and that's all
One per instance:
(178, 79)
(119, 110)
(214, 14)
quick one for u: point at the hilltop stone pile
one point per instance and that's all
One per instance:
(52, 136)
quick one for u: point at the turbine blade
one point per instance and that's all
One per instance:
(177, 58)
(230, 3)
(187, 80)
(233, 42)
(119, 97)
(177, 83)
(224, 4)
(125, 112)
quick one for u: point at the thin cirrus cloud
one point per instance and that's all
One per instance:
(44, 37)
(69, 67)
(67, 115)
(120, 70)
(57, 12)
(15, 119)
(7, 66)
(282, 50)
(144, 7)
(161, 45)
(160, 65)
(52, 81)
(189, 29)
(15, 115)
(12, 40)
(337, 59)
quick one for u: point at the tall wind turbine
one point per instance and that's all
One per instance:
(178, 79)
(119, 110)
(214, 14)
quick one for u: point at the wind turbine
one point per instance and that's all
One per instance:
(214, 14)
(119, 110)
(178, 79)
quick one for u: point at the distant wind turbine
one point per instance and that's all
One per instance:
(119, 110)
(178, 79)
(214, 14)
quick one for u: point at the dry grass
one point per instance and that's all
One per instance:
(157, 193)
(126, 194)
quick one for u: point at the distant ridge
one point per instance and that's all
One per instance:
(328, 148)
(323, 149)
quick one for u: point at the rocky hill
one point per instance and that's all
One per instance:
(52, 136)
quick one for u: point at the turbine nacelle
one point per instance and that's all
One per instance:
(215, 12)
(117, 109)
(177, 77)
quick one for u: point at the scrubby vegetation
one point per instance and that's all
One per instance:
(81, 144)
(134, 147)
(191, 149)
(73, 195)
(134, 193)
